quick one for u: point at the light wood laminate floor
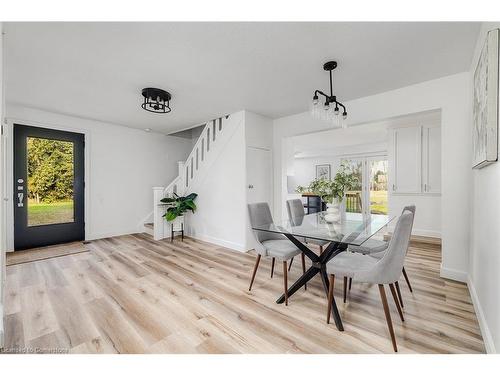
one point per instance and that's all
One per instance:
(130, 294)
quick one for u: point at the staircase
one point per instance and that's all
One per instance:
(213, 138)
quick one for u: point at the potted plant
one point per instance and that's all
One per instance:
(177, 206)
(332, 192)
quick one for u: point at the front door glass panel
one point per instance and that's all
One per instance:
(50, 194)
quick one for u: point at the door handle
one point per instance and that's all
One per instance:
(20, 197)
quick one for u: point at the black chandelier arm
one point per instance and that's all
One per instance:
(322, 93)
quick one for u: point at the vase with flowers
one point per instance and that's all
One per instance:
(332, 192)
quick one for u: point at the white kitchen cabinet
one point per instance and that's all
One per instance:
(431, 159)
(415, 160)
(407, 162)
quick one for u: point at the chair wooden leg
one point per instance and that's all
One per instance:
(272, 267)
(350, 283)
(290, 266)
(304, 267)
(387, 315)
(285, 282)
(254, 271)
(320, 249)
(330, 299)
(396, 301)
(407, 280)
(399, 294)
(345, 288)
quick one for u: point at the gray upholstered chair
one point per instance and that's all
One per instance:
(273, 245)
(376, 248)
(386, 270)
(296, 214)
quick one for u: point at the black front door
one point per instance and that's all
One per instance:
(48, 187)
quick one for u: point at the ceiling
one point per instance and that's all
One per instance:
(97, 70)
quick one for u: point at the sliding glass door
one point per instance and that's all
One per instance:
(370, 194)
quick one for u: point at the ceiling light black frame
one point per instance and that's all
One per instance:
(156, 100)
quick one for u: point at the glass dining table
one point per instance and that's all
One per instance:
(348, 229)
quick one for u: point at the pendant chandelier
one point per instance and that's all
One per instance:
(329, 109)
(156, 100)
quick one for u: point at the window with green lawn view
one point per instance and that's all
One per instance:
(370, 193)
(50, 181)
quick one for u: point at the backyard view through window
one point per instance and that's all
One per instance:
(378, 186)
(50, 181)
(372, 184)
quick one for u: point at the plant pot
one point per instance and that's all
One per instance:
(178, 223)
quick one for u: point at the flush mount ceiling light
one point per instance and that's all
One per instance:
(156, 100)
(329, 109)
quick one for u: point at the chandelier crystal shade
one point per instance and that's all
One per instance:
(327, 107)
(156, 100)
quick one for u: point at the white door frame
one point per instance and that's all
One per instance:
(8, 187)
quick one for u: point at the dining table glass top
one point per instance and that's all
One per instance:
(349, 228)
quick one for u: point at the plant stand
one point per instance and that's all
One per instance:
(172, 231)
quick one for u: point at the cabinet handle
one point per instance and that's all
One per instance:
(393, 187)
(425, 187)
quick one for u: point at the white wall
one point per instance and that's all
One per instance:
(484, 270)
(451, 94)
(122, 165)
(221, 214)
(222, 217)
(2, 229)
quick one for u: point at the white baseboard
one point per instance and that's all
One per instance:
(452, 274)
(483, 326)
(419, 232)
(97, 236)
(218, 241)
(426, 233)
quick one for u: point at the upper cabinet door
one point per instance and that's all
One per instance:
(407, 160)
(431, 158)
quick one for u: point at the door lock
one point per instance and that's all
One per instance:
(20, 197)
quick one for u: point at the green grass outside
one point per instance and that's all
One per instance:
(378, 201)
(50, 213)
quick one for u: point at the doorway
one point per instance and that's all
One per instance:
(48, 187)
(370, 195)
(259, 176)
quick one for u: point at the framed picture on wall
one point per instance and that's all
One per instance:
(485, 104)
(323, 171)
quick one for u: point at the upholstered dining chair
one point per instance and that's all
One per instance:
(386, 270)
(296, 214)
(273, 245)
(375, 249)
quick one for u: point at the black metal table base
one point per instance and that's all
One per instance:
(318, 266)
